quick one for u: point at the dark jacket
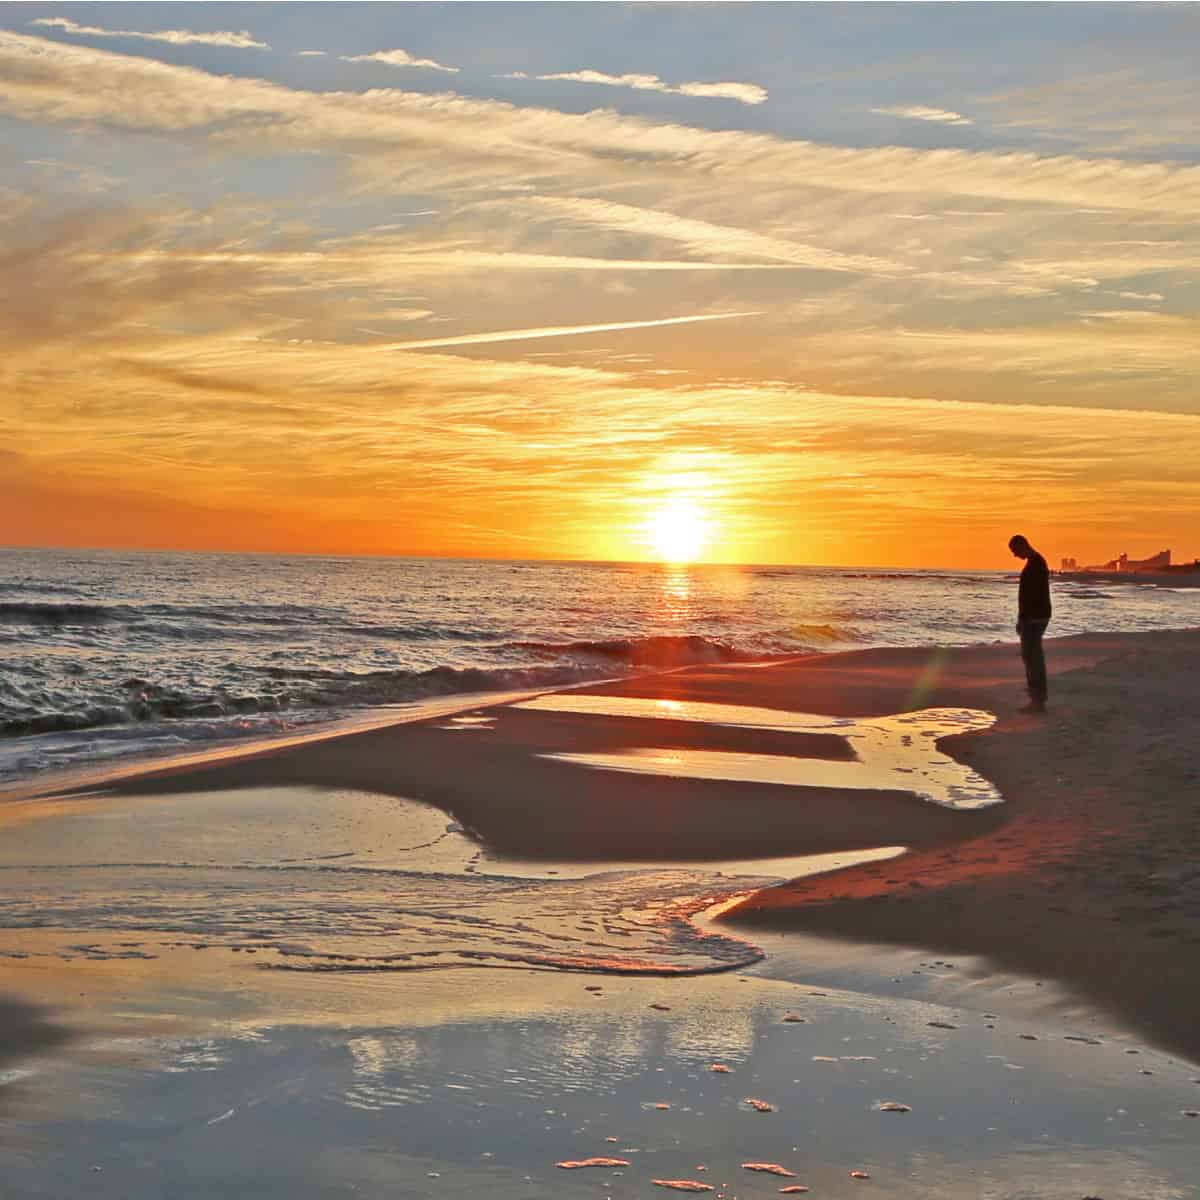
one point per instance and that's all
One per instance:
(1033, 595)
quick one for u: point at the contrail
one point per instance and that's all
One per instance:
(520, 335)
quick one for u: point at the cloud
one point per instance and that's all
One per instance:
(568, 456)
(378, 261)
(744, 93)
(520, 335)
(1150, 297)
(310, 53)
(919, 112)
(1129, 109)
(175, 37)
(399, 58)
(704, 237)
(466, 139)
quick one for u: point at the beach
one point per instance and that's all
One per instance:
(454, 951)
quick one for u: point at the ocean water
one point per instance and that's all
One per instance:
(107, 654)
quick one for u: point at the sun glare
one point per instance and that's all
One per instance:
(678, 531)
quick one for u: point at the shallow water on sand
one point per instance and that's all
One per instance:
(338, 880)
(897, 753)
(189, 1070)
(399, 1089)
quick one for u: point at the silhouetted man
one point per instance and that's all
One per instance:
(1033, 615)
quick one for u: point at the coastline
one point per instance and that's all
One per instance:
(1093, 878)
(212, 954)
(1095, 835)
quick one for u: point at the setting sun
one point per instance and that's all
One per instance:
(678, 531)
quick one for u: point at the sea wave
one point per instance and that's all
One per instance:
(663, 652)
(203, 622)
(52, 614)
(286, 689)
(278, 688)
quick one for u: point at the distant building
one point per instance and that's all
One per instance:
(1156, 564)
(1123, 564)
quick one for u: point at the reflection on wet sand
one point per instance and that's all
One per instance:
(493, 1093)
(343, 880)
(897, 753)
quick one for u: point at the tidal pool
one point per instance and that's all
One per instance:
(896, 753)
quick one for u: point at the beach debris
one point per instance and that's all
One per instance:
(684, 1185)
(761, 1106)
(661, 1007)
(823, 1058)
(859, 1175)
(794, 1019)
(577, 1163)
(661, 1107)
(792, 1189)
(1077, 1037)
(1191, 1112)
(720, 1069)
(1028, 1037)
(769, 1168)
(940, 1025)
(860, 1058)
(611, 1139)
(893, 1106)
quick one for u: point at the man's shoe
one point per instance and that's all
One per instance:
(1033, 707)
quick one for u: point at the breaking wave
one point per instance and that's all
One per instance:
(661, 652)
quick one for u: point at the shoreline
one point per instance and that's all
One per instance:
(404, 870)
(1093, 879)
(1081, 847)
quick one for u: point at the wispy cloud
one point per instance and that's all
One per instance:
(521, 335)
(1106, 110)
(310, 53)
(704, 237)
(920, 112)
(44, 80)
(744, 93)
(175, 37)
(399, 58)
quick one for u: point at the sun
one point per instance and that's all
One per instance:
(678, 531)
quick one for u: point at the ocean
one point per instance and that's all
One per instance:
(108, 655)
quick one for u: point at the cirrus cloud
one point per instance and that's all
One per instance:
(744, 93)
(399, 58)
(921, 112)
(175, 37)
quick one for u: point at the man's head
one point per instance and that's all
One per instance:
(1019, 545)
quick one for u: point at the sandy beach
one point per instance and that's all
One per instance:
(454, 952)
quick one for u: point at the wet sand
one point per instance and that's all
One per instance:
(1092, 875)
(156, 1047)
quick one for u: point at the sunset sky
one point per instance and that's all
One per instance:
(783, 283)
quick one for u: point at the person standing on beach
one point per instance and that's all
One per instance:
(1033, 615)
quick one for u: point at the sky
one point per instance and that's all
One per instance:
(773, 283)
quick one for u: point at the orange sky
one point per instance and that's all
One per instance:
(409, 308)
